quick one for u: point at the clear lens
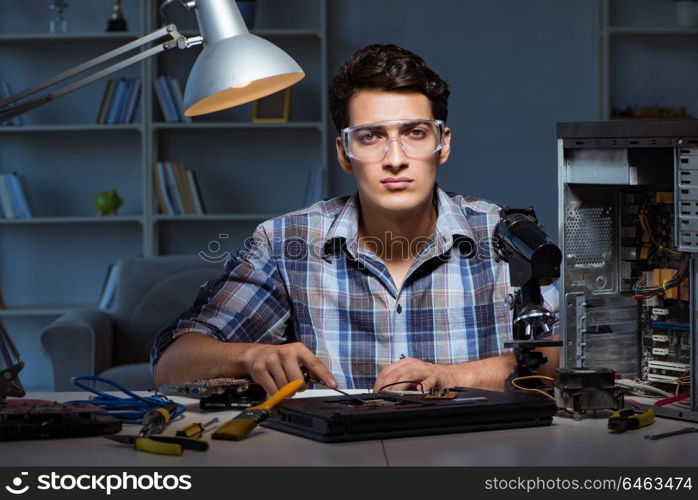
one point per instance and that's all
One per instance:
(418, 139)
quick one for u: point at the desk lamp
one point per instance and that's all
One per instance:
(233, 68)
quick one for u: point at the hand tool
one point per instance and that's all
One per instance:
(239, 428)
(195, 430)
(162, 445)
(685, 430)
(155, 420)
(628, 419)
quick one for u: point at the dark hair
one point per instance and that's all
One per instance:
(385, 67)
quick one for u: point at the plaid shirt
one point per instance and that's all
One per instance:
(305, 277)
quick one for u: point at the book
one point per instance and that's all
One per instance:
(121, 105)
(132, 103)
(18, 196)
(164, 201)
(161, 100)
(169, 98)
(172, 187)
(5, 199)
(108, 297)
(14, 196)
(106, 101)
(184, 189)
(22, 194)
(178, 98)
(119, 90)
(196, 192)
(125, 97)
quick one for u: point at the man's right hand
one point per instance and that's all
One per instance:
(274, 366)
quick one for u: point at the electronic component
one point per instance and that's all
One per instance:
(629, 219)
(32, 419)
(437, 393)
(666, 372)
(587, 390)
(218, 393)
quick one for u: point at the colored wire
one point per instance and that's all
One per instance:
(129, 410)
(638, 385)
(532, 389)
(417, 383)
(672, 400)
(644, 219)
(643, 292)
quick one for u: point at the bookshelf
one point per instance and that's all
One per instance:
(645, 57)
(248, 172)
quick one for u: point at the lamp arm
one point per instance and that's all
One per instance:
(8, 111)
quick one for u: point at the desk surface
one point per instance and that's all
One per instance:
(565, 442)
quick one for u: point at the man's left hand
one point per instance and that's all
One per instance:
(416, 371)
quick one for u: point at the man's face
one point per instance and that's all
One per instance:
(396, 183)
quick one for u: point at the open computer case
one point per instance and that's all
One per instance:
(628, 221)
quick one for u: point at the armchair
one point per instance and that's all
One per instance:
(116, 344)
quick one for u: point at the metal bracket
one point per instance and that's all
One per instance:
(576, 326)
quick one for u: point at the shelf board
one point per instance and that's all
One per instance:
(239, 125)
(213, 217)
(623, 30)
(69, 127)
(49, 37)
(74, 220)
(20, 311)
(300, 32)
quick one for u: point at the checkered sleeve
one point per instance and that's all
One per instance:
(248, 303)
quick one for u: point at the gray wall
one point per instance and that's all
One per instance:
(515, 69)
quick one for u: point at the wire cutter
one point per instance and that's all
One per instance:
(162, 445)
(627, 419)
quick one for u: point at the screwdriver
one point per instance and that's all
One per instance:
(154, 421)
(195, 430)
(685, 430)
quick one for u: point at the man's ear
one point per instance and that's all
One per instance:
(342, 157)
(446, 149)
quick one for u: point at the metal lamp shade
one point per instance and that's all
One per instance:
(237, 70)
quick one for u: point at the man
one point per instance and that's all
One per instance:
(394, 286)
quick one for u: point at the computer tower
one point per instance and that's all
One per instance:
(628, 222)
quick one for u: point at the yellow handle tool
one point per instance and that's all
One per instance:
(240, 427)
(152, 446)
(627, 419)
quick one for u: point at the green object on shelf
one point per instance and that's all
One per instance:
(108, 202)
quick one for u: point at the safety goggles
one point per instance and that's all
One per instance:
(371, 142)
